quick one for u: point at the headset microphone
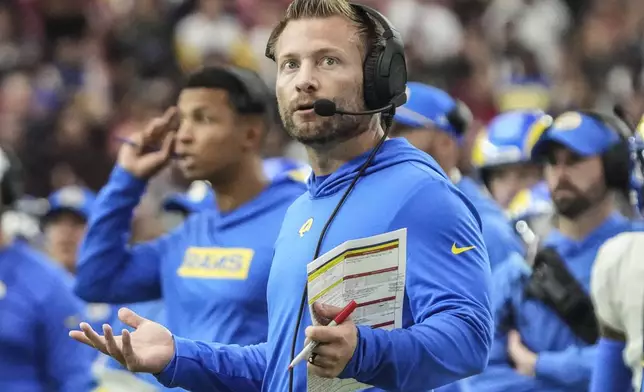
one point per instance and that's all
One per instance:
(327, 108)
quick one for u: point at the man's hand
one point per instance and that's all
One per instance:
(524, 359)
(148, 349)
(337, 344)
(153, 147)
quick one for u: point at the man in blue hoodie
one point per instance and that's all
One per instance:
(535, 349)
(212, 270)
(436, 123)
(37, 310)
(374, 186)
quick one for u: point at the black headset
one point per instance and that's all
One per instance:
(616, 160)
(385, 68)
(460, 117)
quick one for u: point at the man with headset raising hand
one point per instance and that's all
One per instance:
(362, 185)
(546, 341)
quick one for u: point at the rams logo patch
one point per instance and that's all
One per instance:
(567, 121)
(305, 227)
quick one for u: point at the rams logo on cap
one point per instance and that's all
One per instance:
(567, 121)
(71, 197)
(3, 290)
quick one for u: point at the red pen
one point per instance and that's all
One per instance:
(338, 319)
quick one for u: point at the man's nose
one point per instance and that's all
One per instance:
(306, 81)
(184, 133)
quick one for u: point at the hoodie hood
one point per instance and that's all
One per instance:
(392, 152)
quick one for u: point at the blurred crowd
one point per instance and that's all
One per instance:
(77, 74)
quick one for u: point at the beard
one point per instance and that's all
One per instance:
(572, 207)
(327, 131)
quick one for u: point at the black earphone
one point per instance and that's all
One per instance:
(460, 117)
(385, 68)
(385, 82)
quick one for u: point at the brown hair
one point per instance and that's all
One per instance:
(368, 30)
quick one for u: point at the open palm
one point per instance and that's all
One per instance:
(148, 349)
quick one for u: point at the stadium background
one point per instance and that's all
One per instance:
(77, 74)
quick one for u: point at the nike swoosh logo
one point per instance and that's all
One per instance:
(458, 251)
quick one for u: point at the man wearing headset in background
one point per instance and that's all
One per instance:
(37, 309)
(540, 343)
(618, 295)
(501, 157)
(434, 122)
(320, 48)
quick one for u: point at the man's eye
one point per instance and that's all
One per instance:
(289, 65)
(329, 61)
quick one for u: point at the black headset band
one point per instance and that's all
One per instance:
(389, 29)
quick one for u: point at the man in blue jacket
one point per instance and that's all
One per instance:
(436, 123)
(37, 310)
(586, 162)
(320, 48)
(211, 271)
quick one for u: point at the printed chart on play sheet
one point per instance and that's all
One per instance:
(370, 271)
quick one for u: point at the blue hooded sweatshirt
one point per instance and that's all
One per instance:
(37, 311)
(446, 312)
(211, 271)
(564, 361)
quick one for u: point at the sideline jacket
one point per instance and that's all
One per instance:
(37, 311)
(564, 361)
(211, 271)
(446, 313)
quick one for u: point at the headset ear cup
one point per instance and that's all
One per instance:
(370, 83)
(616, 164)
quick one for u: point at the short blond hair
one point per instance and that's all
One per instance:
(368, 30)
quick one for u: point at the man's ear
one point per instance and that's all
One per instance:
(253, 133)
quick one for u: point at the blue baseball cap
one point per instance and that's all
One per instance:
(505, 138)
(198, 197)
(580, 133)
(75, 199)
(427, 106)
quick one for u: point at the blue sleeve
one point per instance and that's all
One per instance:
(109, 270)
(448, 296)
(199, 366)
(68, 363)
(500, 240)
(610, 373)
(570, 368)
